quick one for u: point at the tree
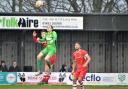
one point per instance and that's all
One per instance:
(68, 6)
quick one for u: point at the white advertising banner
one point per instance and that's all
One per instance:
(41, 22)
(66, 78)
(28, 78)
(102, 79)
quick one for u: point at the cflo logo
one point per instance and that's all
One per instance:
(92, 77)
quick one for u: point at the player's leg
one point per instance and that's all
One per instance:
(80, 80)
(74, 86)
(75, 78)
(39, 63)
(51, 52)
(45, 75)
(53, 60)
(81, 77)
(45, 67)
(47, 59)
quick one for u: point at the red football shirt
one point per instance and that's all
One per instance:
(78, 56)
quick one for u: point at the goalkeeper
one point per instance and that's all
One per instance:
(50, 38)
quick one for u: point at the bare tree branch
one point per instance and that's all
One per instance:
(74, 5)
(70, 6)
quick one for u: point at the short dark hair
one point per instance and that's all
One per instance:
(2, 61)
(51, 26)
(77, 42)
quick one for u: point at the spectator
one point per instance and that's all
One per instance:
(63, 68)
(14, 67)
(3, 67)
(0, 62)
(70, 68)
(0, 67)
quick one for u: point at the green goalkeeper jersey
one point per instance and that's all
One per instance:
(50, 38)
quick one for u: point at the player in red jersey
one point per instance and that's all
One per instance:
(44, 44)
(81, 60)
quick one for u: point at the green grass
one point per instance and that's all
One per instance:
(57, 87)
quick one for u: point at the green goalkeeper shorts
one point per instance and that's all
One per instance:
(49, 50)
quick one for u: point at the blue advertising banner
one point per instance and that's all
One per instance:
(8, 77)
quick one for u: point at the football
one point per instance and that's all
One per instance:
(39, 3)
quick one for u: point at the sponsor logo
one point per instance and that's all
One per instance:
(53, 77)
(8, 22)
(62, 76)
(71, 77)
(13, 22)
(11, 78)
(121, 77)
(26, 22)
(92, 77)
(22, 77)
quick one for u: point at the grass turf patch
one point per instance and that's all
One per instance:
(57, 87)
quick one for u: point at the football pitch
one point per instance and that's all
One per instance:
(57, 87)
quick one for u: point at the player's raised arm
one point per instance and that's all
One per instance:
(34, 36)
(88, 58)
(42, 39)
